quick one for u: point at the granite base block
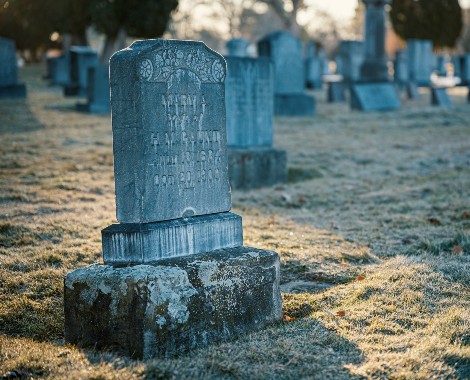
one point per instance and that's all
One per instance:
(93, 107)
(13, 91)
(294, 105)
(138, 243)
(379, 96)
(336, 92)
(174, 306)
(250, 168)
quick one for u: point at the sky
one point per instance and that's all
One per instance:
(344, 9)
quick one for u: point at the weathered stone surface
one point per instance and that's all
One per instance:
(374, 97)
(174, 306)
(336, 92)
(9, 88)
(420, 61)
(250, 168)
(440, 98)
(294, 105)
(81, 59)
(249, 102)
(169, 140)
(98, 91)
(136, 243)
(285, 50)
(237, 47)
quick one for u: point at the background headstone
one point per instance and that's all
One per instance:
(400, 65)
(98, 91)
(349, 60)
(374, 97)
(420, 59)
(9, 88)
(237, 47)
(81, 59)
(285, 50)
(253, 162)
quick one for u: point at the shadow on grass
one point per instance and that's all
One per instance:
(16, 117)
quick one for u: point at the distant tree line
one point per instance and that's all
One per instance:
(32, 22)
(436, 20)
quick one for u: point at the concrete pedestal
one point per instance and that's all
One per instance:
(13, 91)
(294, 105)
(336, 92)
(250, 168)
(174, 306)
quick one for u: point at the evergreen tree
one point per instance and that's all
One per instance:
(436, 20)
(136, 18)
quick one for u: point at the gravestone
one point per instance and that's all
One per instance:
(457, 63)
(441, 65)
(60, 70)
(175, 275)
(349, 59)
(253, 162)
(420, 59)
(81, 59)
(412, 90)
(440, 98)
(400, 66)
(237, 47)
(314, 62)
(374, 92)
(285, 50)
(336, 91)
(98, 96)
(9, 86)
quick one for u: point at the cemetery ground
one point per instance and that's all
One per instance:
(373, 230)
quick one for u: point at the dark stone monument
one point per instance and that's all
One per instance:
(420, 58)
(81, 59)
(285, 50)
(175, 276)
(9, 86)
(253, 162)
(440, 98)
(237, 47)
(349, 59)
(375, 92)
(98, 93)
(441, 65)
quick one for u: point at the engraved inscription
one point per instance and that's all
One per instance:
(186, 149)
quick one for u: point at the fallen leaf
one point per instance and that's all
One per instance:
(289, 319)
(465, 215)
(457, 249)
(434, 221)
(360, 277)
(341, 313)
(302, 200)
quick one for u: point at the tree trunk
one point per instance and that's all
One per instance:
(113, 44)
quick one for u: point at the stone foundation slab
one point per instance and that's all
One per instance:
(173, 306)
(255, 167)
(294, 105)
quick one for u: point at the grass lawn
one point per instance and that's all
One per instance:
(373, 230)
